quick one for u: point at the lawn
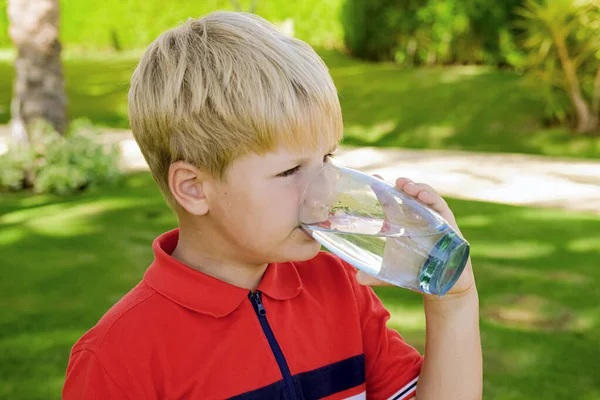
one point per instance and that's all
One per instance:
(67, 260)
(463, 107)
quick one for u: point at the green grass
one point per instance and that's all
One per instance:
(96, 87)
(113, 24)
(463, 108)
(65, 261)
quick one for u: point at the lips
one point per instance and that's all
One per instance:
(315, 215)
(306, 232)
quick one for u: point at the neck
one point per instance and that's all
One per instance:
(197, 251)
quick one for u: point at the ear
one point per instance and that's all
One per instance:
(186, 185)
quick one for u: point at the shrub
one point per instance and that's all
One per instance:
(415, 32)
(563, 39)
(52, 163)
(371, 27)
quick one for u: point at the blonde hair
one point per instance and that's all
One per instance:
(224, 86)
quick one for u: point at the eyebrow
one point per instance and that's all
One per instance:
(304, 160)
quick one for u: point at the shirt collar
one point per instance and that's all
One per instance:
(205, 294)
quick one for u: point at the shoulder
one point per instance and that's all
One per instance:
(125, 321)
(117, 351)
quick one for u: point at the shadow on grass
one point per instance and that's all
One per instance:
(537, 277)
(67, 260)
(96, 90)
(463, 108)
(64, 263)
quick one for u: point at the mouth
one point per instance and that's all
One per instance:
(316, 215)
(305, 231)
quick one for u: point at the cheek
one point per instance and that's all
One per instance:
(271, 209)
(266, 208)
(282, 202)
(233, 208)
(286, 206)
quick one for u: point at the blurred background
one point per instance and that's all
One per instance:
(495, 103)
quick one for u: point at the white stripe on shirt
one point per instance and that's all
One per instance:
(360, 396)
(406, 390)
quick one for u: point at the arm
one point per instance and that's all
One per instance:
(88, 379)
(452, 367)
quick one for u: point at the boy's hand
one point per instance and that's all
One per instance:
(425, 193)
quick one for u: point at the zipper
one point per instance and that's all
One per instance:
(261, 313)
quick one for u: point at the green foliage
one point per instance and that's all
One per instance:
(124, 25)
(12, 169)
(442, 35)
(415, 32)
(492, 24)
(371, 26)
(548, 24)
(4, 41)
(52, 163)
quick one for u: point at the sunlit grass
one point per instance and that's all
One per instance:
(463, 107)
(513, 250)
(585, 244)
(67, 260)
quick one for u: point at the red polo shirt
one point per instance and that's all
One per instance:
(310, 331)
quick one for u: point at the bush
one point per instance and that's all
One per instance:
(52, 163)
(371, 26)
(563, 42)
(416, 32)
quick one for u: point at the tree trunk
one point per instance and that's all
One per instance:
(38, 91)
(586, 120)
(596, 95)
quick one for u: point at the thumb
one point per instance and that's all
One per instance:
(362, 277)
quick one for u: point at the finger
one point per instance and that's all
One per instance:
(414, 188)
(432, 199)
(388, 202)
(401, 182)
(378, 176)
(427, 195)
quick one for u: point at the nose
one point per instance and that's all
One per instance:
(320, 195)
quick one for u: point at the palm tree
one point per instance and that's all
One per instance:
(39, 90)
(563, 37)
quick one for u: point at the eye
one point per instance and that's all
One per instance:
(289, 172)
(292, 171)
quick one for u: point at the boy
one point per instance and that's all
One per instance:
(234, 119)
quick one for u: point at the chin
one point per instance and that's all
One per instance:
(302, 252)
(311, 251)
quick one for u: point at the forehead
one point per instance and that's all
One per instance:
(284, 153)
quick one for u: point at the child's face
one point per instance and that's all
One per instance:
(255, 209)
